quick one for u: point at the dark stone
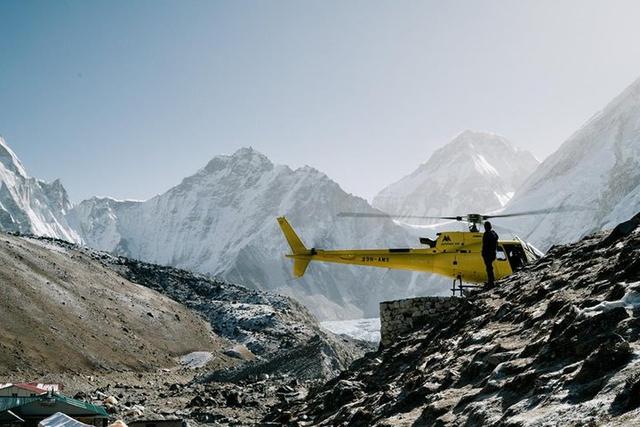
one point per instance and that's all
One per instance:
(503, 311)
(233, 398)
(430, 414)
(532, 349)
(567, 315)
(285, 417)
(209, 418)
(538, 295)
(81, 395)
(576, 339)
(617, 292)
(361, 418)
(342, 393)
(557, 283)
(521, 383)
(197, 401)
(629, 398)
(475, 371)
(609, 356)
(621, 230)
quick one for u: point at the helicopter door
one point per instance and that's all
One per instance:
(500, 265)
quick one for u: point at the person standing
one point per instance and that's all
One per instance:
(489, 248)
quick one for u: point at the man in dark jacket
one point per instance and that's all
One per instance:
(489, 248)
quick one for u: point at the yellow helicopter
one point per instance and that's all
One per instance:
(453, 254)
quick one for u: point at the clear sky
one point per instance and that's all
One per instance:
(125, 98)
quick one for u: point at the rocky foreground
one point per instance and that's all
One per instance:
(555, 344)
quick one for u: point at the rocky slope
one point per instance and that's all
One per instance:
(597, 168)
(162, 341)
(28, 205)
(221, 221)
(475, 172)
(57, 302)
(260, 326)
(555, 344)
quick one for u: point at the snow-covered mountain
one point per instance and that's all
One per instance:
(28, 205)
(475, 172)
(597, 168)
(222, 221)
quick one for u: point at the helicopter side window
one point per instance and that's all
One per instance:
(500, 255)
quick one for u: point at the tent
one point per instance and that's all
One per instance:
(61, 420)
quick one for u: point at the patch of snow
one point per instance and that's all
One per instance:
(49, 246)
(362, 329)
(197, 359)
(504, 198)
(483, 166)
(629, 301)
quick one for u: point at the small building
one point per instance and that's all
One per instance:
(21, 390)
(29, 411)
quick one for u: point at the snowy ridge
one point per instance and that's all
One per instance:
(28, 205)
(475, 172)
(597, 168)
(10, 161)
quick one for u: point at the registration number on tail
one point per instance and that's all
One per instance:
(375, 259)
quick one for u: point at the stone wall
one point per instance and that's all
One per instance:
(401, 316)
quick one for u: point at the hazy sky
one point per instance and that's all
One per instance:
(125, 98)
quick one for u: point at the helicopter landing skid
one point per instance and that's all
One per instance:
(461, 288)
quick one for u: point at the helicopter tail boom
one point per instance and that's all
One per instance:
(300, 254)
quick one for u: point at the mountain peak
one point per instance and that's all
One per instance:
(249, 151)
(475, 171)
(9, 159)
(472, 133)
(29, 205)
(245, 157)
(472, 138)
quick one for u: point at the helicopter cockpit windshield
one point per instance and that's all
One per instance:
(531, 252)
(427, 241)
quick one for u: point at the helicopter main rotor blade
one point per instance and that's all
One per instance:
(537, 212)
(385, 215)
(501, 229)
